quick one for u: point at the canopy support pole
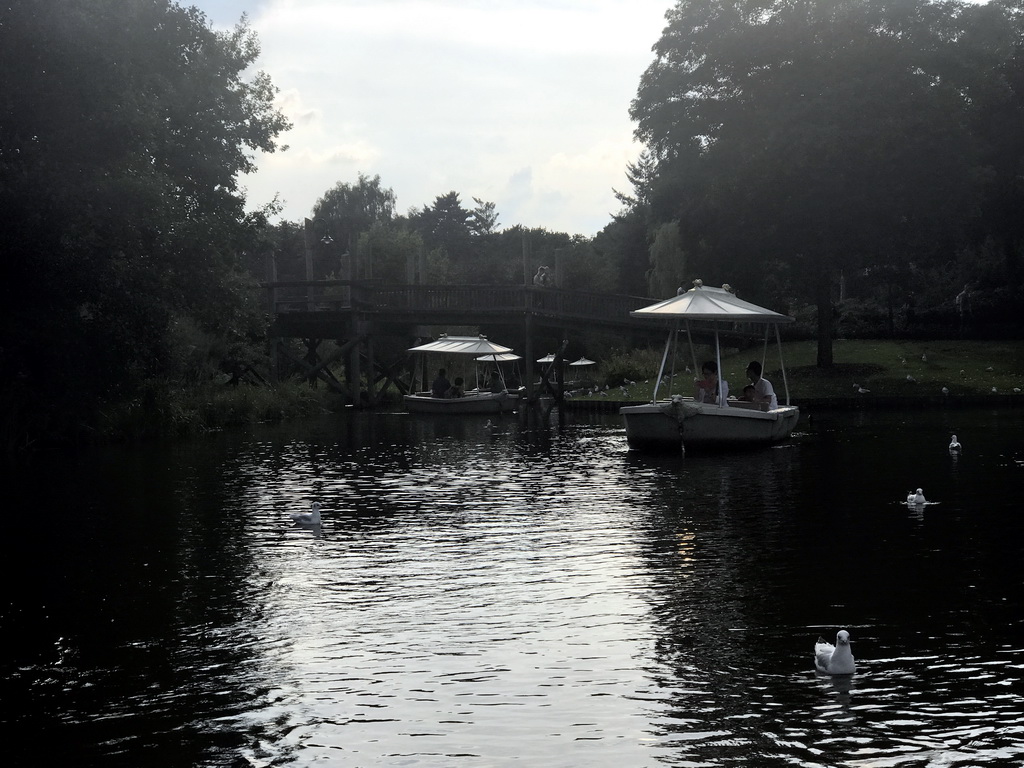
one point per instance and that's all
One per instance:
(718, 362)
(664, 358)
(785, 383)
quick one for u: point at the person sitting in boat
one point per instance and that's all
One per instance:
(748, 394)
(441, 385)
(707, 387)
(764, 392)
(456, 388)
(496, 384)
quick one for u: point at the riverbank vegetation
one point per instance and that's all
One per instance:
(856, 165)
(887, 368)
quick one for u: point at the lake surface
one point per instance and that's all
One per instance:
(527, 594)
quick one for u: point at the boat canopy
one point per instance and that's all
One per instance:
(504, 357)
(462, 345)
(721, 308)
(706, 303)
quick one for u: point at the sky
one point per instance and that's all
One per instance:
(523, 103)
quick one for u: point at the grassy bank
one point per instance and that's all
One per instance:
(968, 369)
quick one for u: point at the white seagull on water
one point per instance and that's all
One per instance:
(954, 445)
(308, 518)
(834, 659)
(916, 498)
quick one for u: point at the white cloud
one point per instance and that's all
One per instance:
(524, 104)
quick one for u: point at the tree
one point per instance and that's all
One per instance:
(344, 213)
(668, 262)
(389, 250)
(124, 127)
(444, 227)
(822, 135)
(483, 218)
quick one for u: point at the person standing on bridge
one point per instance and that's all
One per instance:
(543, 278)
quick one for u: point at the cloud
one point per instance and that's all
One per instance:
(523, 104)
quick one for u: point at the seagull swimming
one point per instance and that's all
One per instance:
(916, 498)
(954, 445)
(834, 659)
(308, 518)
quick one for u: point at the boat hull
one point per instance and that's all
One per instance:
(471, 402)
(689, 425)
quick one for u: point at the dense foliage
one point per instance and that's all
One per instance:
(124, 126)
(796, 144)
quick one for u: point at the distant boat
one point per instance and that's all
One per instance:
(474, 400)
(682, 422)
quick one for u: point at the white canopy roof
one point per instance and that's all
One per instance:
(504, 357)
(583, 361)
(706, 303)
(462, 345)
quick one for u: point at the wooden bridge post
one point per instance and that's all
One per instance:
(528, 356)
(307, 226)
(354, 372)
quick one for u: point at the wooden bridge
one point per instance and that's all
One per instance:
(356, 312)
(327, 308)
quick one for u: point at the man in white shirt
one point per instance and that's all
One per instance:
(764, 392)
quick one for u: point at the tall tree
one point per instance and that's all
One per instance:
(483, 218)
(822, 134)
(124, 126)
(445, 228)
(344, 213)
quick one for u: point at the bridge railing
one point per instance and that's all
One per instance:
(373, 297)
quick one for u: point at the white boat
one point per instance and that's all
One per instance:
(471, 402)
(473, 348)
(680, 422)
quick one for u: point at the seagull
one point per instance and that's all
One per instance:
(1017, 390)
(916, 498)
(963, 372)
(911, 379)
(990, 368)
(863, 391)
(954, 445)
(834, 659)
(945, 390)
(308, 518)
(995, 391)
(924, 358)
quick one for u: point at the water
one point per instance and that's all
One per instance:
(523, 595)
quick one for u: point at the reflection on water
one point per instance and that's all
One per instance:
(488, 594)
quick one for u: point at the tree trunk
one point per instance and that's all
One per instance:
(823, 291)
